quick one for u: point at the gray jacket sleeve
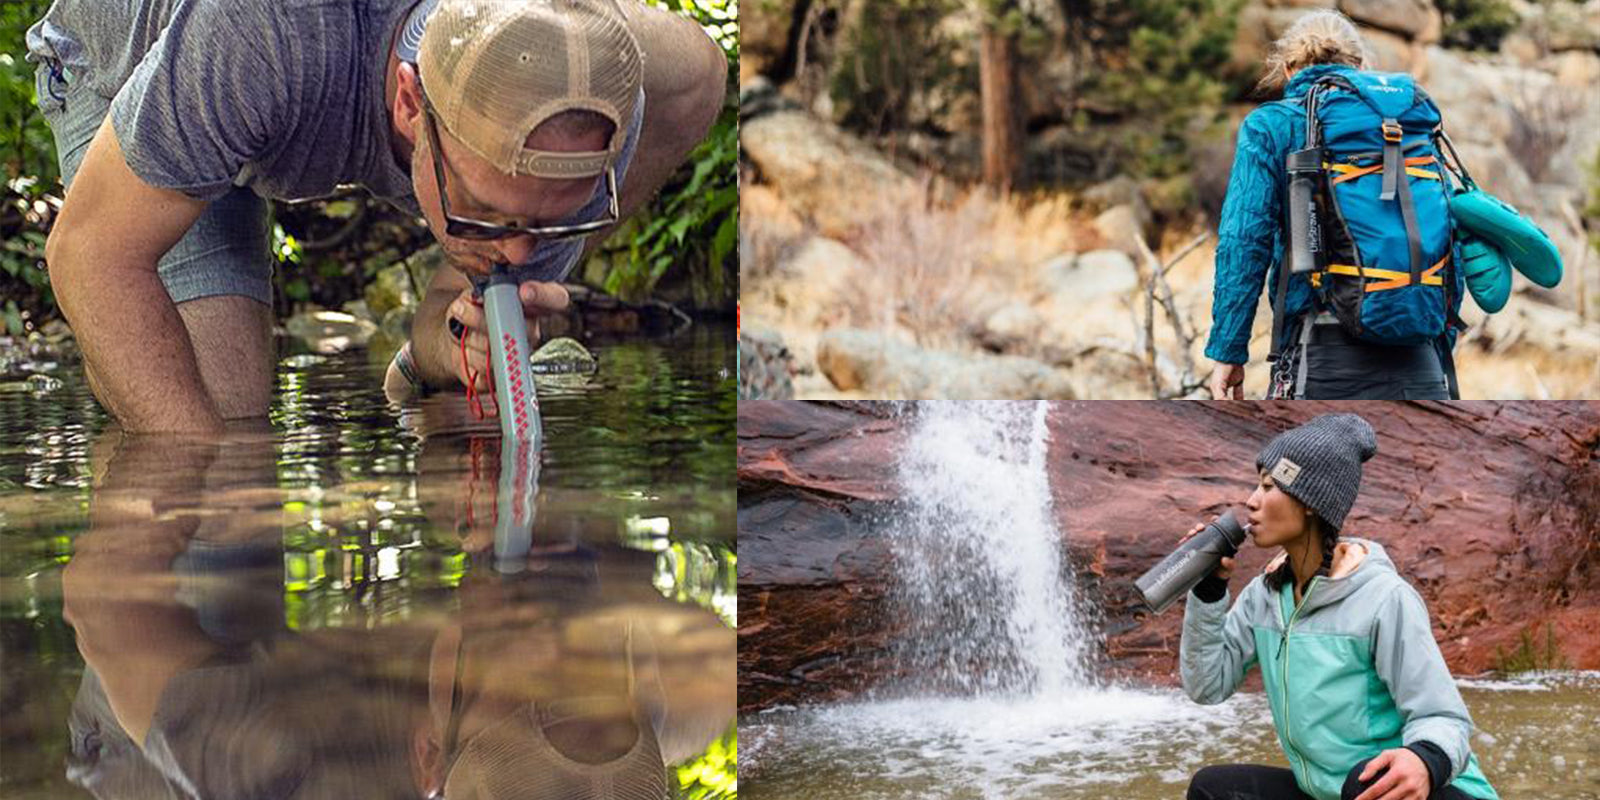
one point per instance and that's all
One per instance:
(1409, 664)
(1217, 647)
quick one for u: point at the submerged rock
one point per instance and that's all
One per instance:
(329, 331)
(563, 356)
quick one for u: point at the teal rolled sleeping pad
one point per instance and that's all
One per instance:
(1487, 270)
(1522, 242)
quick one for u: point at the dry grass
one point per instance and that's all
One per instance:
(940, 266)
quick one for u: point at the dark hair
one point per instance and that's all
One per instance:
(1276, 579)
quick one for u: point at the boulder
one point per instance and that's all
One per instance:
(329, 331)
(1122, 226)
(1091, 276)
(1568, 26)
(1521, 48)
(1494, 534)
(1409, 18)
(1012, 324)
(818, 274)
(877, 365)
(766, 369)
(562, 356)
(1390, 52)
(1578, 70)
(827, 176)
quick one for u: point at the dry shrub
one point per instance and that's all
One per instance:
(920, 264)
(1545, 116)
(943, 260)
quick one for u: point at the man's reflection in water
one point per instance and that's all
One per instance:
(571, 677)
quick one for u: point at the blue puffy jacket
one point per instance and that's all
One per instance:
(1249, 237)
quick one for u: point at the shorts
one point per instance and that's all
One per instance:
(228, 250)
(1342, 368)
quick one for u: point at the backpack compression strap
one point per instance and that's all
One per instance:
(1396, 183)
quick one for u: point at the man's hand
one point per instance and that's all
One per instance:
(449, 309)
(1406, 778)
(468, 328)
(1226, 382)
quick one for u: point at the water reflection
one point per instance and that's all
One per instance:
(556, 656)
(265, 609)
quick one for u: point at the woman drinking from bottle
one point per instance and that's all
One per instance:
(1363, 704)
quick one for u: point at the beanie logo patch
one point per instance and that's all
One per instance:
(1285, 472)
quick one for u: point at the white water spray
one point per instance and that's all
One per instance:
(990, 608)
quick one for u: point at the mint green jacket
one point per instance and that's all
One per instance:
(1350, 673)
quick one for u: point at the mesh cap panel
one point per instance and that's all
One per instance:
(513, 759)
(497, 69)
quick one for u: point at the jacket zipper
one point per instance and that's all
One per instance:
(1283, 658)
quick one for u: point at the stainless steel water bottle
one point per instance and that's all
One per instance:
(516, 394)
(1190, 563)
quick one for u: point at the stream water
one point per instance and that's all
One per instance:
(274, 614)
(1004, 705)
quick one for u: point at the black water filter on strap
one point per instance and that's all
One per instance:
(1190, 563)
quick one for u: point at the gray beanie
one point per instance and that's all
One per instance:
(1319, 463)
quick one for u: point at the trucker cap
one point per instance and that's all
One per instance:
(494, 70)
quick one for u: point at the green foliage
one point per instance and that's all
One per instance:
(1155, 78)
(880, 84)
(1530, 654)
(29, 179)
(692, 224)
(1476, 24)
(714, 775)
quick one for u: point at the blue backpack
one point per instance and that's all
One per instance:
(1382, 230)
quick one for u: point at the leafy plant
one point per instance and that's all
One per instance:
(1476, 24)
(1151, 77)
(29, 179)
(878, 84)
(692, 224)
(714, 775)
(1530, 654)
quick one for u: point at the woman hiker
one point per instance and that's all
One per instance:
(1364, 706)
(1396, 213)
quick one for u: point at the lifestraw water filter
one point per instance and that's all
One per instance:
(514, 505)
(515, 393)
(1190, 563)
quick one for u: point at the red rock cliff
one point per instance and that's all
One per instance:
(1492, 510)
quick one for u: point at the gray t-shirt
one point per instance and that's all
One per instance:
(282, 96)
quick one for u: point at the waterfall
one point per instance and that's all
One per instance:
(989, 608)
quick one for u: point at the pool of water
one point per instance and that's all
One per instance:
(275, 614)
(1539, 736)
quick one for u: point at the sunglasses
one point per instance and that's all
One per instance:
(482, 230)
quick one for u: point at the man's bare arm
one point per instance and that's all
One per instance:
(431, 345)
(102, 256)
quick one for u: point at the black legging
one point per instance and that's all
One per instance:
(1254, 782)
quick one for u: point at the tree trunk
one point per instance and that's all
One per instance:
(1002, 126)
